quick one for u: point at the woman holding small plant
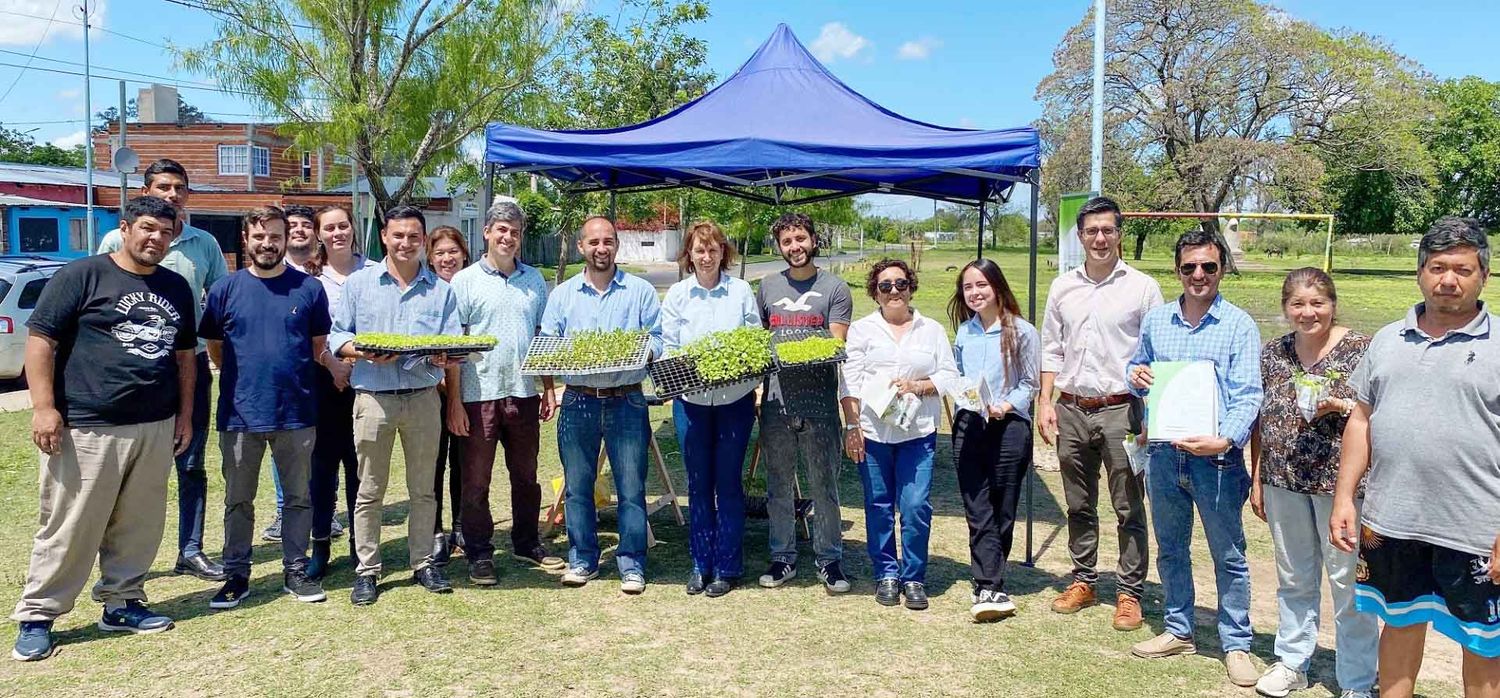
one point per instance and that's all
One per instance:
(899, 362)
(713, 428)
(447, 254)
(999, 356)
(1294, 462)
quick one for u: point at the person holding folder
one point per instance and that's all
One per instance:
(1206, 470)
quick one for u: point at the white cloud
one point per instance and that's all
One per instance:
(835, 41)
(70, 140)
(26, 20)
(918, 50)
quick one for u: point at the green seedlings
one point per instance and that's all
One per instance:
(725, 356)
(810, 350)
(590, 349)
(397, 343)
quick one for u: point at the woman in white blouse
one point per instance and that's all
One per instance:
(713, 428)
(892, 437)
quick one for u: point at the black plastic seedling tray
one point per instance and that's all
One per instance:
(792, 335)
(677, 376)
(450, 350)
(541, 346)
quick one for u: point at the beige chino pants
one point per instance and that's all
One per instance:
(378, 419)
(103, 495)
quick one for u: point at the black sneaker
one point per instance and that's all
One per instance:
(34, 642)
(778, 574)
(539, 557)
(232, 593)
(134, 617)
(432, 579)
(721, 586)
(990, 605)
(695, 583)
(273, 532)
(888, 592)
(366, 590)
(482, 573)
(832, 576)
(916, 596)
(296, 583)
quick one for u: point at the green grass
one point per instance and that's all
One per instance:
(531, 637)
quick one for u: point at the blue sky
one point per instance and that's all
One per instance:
(973, 63)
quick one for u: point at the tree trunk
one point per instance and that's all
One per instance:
(1140, 242)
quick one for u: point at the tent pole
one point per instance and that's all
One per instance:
(979, 253)
(489, 200)
(1031, 316)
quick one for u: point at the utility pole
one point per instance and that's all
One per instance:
(1096, 170)
(88, 132)
(124, 178)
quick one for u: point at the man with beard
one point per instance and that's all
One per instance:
(265, 327)
(799, 411)
(396, 396)
(608, 407)
(195, 255)
(110, 363)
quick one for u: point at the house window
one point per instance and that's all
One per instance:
(237, 159)
(78, 235)
(38, 235)
(307, 173)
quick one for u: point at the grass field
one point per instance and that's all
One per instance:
(531, 637)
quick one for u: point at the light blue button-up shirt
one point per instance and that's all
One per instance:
(1226, 336)
(373, 302)
(978, 353)
(629, 303)
(509, 308)
(691, 312)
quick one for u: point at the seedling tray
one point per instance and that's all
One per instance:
(541, 346)
(450, 350)
(677, 376)
(792, 335)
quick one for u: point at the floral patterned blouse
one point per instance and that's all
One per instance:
(1296, 455)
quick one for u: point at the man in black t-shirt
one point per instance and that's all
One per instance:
(111, 368)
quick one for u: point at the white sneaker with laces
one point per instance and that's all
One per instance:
(1280, 680)
(1351, 693)
(578, 576)
(633, 583)
(991, 606)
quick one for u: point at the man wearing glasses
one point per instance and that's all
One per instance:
(1090, 329)
(1206, 471)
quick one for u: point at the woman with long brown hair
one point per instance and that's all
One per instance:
(999, 356)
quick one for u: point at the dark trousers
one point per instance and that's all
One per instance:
(713, 440)
(192, 478)
(1089, 441)
(450, 460)
(334, 449)
(993, 457)
(514, 424)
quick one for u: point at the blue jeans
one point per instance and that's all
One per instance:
(276, 480)
(713, 443)
(621, 424)
(898, 477)
(1176, 482)
(192, 478)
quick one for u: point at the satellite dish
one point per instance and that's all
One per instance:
(125, 160)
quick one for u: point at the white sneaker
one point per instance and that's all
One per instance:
(578, 576)
(1280, 680)
(633, 583)
(991, 606)
(1351, 693)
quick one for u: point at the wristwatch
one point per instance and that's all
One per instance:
(852, 426)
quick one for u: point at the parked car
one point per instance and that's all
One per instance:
(21, 280)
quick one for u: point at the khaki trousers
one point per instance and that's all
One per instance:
(378, 418)
(103, 495)
(1089, 441)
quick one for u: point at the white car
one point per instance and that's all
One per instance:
(21, 280)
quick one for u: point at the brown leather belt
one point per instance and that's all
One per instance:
(1094, 403)
(617, 391)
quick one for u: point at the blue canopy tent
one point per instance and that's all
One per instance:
(782, 130)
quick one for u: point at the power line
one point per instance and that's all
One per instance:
(94, 27)
(204, 87)
(34, 49)
(122, 71)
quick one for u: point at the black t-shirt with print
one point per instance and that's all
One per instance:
(117, 334)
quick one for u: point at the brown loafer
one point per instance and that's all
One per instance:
(1075, 598)
(1127, 613)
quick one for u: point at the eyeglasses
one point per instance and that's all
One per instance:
(898, 285)
(1108, 231)
(1190, 268)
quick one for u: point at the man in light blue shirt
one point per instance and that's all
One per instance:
(1206, 471)
(604, 407)
(195, 255)
(491, 404)
(395, 396)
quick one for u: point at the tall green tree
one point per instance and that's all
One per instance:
(1465, 142)
(396, 84)
(20, 147)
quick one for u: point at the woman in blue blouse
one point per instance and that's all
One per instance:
(993, 448)
(713, 428)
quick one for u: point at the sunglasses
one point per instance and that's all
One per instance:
(898, 285)
(1190, 268)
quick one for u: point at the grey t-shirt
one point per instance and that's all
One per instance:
(1434, 433)
(788, 304)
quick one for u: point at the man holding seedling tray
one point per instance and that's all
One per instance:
(395, 395)
(607, 407)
